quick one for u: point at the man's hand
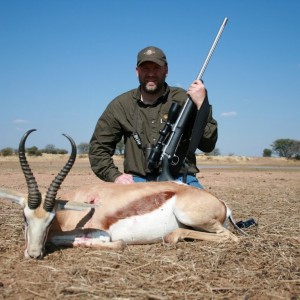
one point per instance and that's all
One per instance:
(124, 179)
(197, 92)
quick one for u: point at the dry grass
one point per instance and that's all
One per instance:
(265, 265)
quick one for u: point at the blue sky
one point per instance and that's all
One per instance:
(63, 61)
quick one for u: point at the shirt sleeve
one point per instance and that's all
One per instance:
(210, 134)
(103, 144)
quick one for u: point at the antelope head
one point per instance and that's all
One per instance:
(39, 211)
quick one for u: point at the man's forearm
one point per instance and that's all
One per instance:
(104, 168)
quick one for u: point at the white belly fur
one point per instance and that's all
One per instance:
(147, 228)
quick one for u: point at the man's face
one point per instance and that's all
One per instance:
(151, 76)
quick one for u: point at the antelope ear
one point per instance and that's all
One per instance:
(13, 196)
(73, 205)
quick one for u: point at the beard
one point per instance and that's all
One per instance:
(152, 88)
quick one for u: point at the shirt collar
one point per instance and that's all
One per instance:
(162, 98)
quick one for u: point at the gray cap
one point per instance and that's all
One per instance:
(153, 54)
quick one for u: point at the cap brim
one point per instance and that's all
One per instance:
(155, 60)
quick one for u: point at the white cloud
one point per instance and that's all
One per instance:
(229, 114)
(20, 121)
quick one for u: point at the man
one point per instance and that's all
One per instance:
(138, 115)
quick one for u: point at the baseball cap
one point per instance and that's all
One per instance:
(153, 54)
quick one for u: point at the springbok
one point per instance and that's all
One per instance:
(110, 215)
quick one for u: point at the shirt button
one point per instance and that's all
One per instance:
(152, 122)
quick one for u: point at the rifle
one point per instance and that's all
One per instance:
(164, 150)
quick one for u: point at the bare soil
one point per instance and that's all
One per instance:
(264, 265)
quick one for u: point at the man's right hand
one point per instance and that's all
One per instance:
(124, 179)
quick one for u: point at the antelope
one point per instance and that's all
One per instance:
(110, 216)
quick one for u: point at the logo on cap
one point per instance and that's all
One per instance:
(149, 52)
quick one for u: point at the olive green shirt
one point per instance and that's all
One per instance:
(126, 115)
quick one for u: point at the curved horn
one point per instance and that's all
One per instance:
(34, 196)
(55, 185)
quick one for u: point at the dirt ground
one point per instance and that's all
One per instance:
(264, 265)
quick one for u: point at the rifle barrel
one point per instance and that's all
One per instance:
(212, 49)
(169, 148)
(187, 105)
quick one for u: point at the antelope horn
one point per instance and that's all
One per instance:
(34, 195)
(55, 185)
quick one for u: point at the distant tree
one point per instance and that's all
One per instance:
(49, 149)
(267, 153)
(60, 151)
(296, 149)
(83, 148)
(7, 151)
(286, 148)
(33, 151)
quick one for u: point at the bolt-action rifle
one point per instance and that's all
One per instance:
(162, 154)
